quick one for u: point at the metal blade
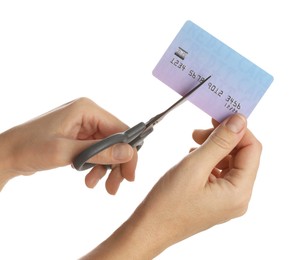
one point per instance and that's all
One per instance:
(160, 116)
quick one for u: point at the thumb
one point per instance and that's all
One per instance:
(220, 142)
(115, 154)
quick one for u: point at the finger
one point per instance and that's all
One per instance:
(119, 172)
(118, 153)
(96, 121)
(246, 161)
(192, 149)
(200, 136)
(215, 172)
(215, 123)
(114, 180)
(108, 124)
(225, 163)
(219, 144)
(96, 174)
(128, 169)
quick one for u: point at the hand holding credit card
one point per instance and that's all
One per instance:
(236, 84)
(227, 83)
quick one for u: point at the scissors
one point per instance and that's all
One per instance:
(133, 136)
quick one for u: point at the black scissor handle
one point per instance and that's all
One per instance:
(80, 162)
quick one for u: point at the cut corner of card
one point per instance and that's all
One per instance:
(236, 84)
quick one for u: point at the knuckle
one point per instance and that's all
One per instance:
(83, 100)
(259, 146)
(223, 141)
(104, 157)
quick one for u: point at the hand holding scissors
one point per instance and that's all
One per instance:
(133, 136)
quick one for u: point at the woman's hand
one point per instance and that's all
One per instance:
(55, 138)
(211, 185)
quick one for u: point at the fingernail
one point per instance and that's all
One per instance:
(93, 182)
(121, 151)
(236, 123)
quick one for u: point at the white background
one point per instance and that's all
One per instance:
(54, 51)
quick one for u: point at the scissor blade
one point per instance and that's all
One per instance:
(160, 116)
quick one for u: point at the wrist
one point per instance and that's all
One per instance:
(137, 238)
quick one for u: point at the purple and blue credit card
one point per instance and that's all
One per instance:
(236, 84)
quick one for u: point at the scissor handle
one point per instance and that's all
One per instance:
(80, 162)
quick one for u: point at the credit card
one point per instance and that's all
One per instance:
(236, 84)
